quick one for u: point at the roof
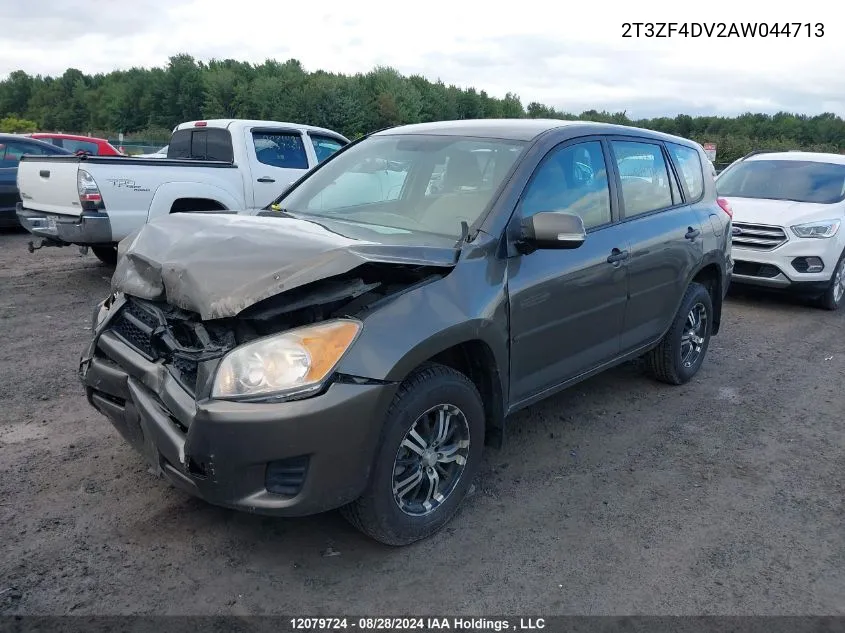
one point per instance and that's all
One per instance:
(227, 123)
(73, 137)
(522, 129)
(812, 157)
(6, 138)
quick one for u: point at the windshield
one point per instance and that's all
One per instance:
(799, 181)
(413, 183)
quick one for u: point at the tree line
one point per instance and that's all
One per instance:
(147, 102)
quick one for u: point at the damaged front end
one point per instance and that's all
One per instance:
(190, 348)
(151, 369)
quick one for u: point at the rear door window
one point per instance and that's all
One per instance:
(280, 149)
(644, 176)
(688, 162)
(325, 146)
(80, 146)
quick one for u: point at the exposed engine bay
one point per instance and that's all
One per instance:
(182, 340)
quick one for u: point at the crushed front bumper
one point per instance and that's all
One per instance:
(91, 228)
(286, 459)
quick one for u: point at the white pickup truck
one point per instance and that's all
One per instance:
(226, 164)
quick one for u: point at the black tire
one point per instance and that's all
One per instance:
(828, 300)
(106, 254)
(666, 361)
(377, 513)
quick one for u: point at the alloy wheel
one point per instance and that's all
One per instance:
(430, 460)
(693, 336)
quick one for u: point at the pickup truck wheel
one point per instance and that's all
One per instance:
(106, 254)
(832, 298)
(430, 452)
(678, 357)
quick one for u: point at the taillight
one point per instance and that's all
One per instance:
(200, 124)
(89, 192)
(726, 207)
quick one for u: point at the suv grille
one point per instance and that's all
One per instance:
(758, 237)
(162, 333)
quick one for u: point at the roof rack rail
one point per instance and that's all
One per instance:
(766, 151)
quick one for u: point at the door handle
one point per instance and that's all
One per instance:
(617, 256)
(692, 233)
(266, 179)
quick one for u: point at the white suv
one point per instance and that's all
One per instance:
(788, 210)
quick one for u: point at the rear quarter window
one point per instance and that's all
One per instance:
(688, 161)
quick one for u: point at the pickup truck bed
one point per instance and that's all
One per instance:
(51, 201)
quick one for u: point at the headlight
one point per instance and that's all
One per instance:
(292, 362)
(823, 228)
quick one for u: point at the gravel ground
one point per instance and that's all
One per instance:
(619, 496)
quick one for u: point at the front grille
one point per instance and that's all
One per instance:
(753, 269)
(165, 334)
(135, 326)
(758, 237)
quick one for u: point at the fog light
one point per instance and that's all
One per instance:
(808, 264)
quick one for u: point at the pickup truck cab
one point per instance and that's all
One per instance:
(226, 164)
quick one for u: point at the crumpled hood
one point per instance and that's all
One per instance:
(218, 264)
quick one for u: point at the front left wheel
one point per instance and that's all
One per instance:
(430, 452)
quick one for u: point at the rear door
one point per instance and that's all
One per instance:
(665, 237)
(324, 145)
(277, 157)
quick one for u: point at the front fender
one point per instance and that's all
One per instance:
(468, 304)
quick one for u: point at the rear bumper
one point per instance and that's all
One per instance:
(285, 459)
(91, 228)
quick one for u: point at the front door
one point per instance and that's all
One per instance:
(277, 158)
(567, 307)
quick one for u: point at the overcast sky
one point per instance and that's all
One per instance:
(567, 54)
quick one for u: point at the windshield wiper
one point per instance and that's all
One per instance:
(464, 234)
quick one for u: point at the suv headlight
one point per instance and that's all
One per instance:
(289, 363)
(822, 228)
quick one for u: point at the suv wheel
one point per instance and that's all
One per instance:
(106, 254)
(678, 357)
(429, 454)
(832, 298)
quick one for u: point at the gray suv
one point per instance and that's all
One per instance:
(356, 344)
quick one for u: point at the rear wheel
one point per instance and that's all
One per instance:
(832, 298)
(679, 355)
(429, 454)
(106, 254)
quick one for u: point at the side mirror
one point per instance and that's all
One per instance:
(553, 230)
